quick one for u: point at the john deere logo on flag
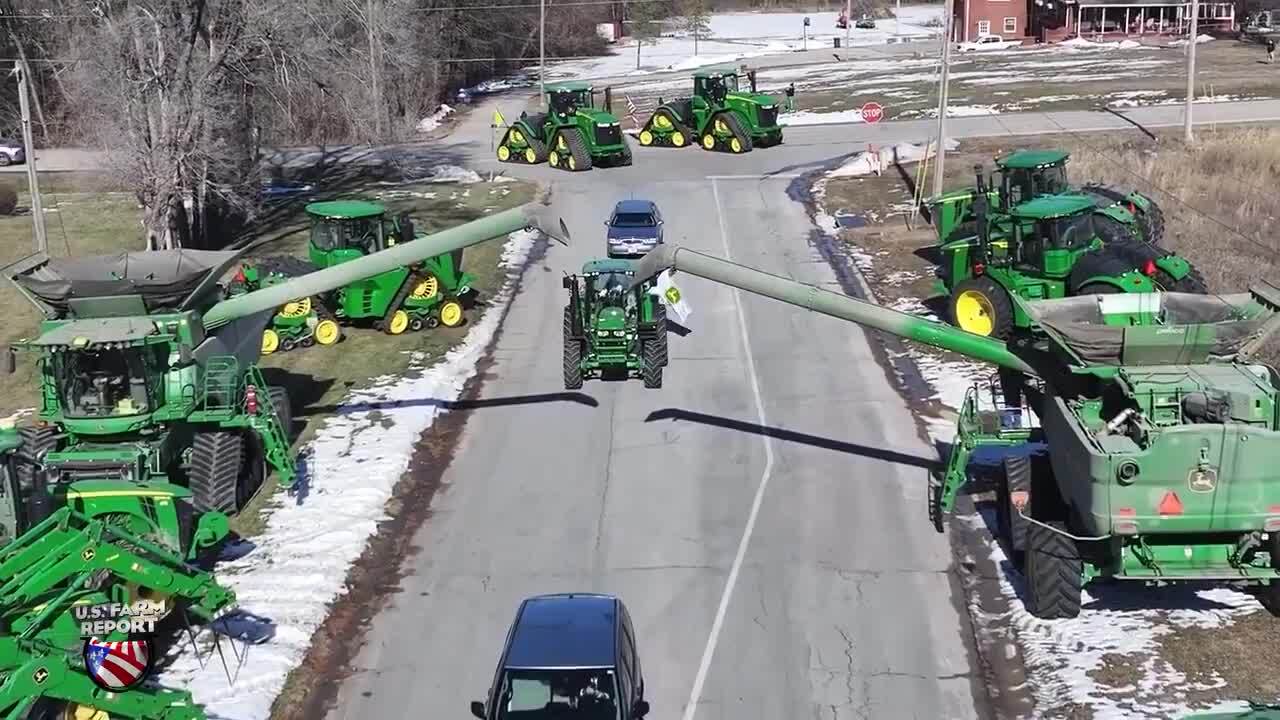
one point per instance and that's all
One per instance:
(673, 295)
(118, 666)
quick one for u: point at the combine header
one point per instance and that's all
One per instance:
(1154, 459)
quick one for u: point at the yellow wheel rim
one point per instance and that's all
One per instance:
(573, 164)
(270, 341)
(554, 158)
(327, 332)
(677, 139)
(646, 137)
(530, 156)
(721, 127)
(504, 153)
(297, 308)
(399, 322)
(517, 136)
(735, 145)
(708, 141)
(450, 314)
(561, 142)
(426, 289)
(662, 121)
(76, 711)
(974, 313)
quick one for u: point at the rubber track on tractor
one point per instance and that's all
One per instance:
(578, 150)
(214, 474)
(1054, 570)
(35, 443)
(397, 303)
(539, 149)
(293, 267)
(651, 369)
(677, 123)
(735, 129)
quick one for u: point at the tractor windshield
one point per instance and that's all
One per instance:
(339, 234)
(103, 383)
(1022, 184)
(1069, 233)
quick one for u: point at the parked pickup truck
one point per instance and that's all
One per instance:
(988, 42)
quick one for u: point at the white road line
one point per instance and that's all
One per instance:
(696, 693)
(766, 176)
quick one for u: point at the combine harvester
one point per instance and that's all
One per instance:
(574, 135)
(70, 559)
(149, 381)
(426, 294)
(718, 116)
(1158, 430)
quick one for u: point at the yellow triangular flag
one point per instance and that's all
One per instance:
(498, 120)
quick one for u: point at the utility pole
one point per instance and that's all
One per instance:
(1188, 135)
(542, 51)
(33, 180)
(943, 82)
(897, 17)
(848, 20)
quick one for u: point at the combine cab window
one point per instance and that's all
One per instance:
(106, 383)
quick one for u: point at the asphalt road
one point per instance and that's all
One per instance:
(780, 574)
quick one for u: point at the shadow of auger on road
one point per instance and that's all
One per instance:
(455, 405)
(796, 437)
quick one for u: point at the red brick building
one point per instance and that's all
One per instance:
(1006, 18)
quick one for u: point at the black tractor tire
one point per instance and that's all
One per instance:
(287, 265)
(217, 458)
(660, 332)
(997, 297)
(253, 470)
(1054, 573)
(1013, 526)
(1111, 260)
(1098, 288)
(35, 443)
(572, 355)
(1112, 231)
(651, 369)
(284, 409)
(625, 158)
(1152, 223)
(1192, 282)
(577, 150)
(739, 131)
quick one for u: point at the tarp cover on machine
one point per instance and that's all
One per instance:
(164, 278)
(1191, 327)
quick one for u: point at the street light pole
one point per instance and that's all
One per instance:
(943, 82)
(1188, 135)
(897, 17)
(848, 20)
(33, 180)
(542, 51)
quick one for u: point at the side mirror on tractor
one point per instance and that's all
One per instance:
(477, 709)
(567, 282)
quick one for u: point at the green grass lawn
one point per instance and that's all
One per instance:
(83, 216)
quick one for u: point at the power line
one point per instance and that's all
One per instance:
(497, 6)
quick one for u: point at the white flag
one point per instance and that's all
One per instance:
(670, 295)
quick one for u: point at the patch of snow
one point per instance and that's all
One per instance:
(806, 117)
(1200, 40)
(433, 121)
(350, 470)
(452, 173)
(874, 163)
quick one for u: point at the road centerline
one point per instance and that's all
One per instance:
(713, 637)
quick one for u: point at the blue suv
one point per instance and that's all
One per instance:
(635, 228)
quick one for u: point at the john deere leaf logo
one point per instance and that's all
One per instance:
(88, 554)
(673, 295)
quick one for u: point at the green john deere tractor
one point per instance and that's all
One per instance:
(424, 294)
(1048, 247)
(1028, 174)
(610, 329)
(718, 116)
(574, 134)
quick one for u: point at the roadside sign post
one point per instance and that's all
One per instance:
(805, 32)
(872, 112)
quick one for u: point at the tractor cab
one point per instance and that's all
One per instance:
(715, 85)
(103, 368)
(608, 280)
(1050, 232)
(1029, 174)
(567, 98)
(344, 230)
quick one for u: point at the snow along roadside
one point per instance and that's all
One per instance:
(299, 564)
(1064, 658)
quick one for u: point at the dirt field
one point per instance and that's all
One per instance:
(1219, 200)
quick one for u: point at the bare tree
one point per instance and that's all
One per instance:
(695, 19)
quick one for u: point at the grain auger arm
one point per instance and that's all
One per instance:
(55, 678)
(68, 548)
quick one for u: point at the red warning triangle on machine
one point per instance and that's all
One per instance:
(1170, 504)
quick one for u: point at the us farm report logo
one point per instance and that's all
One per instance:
(118, 665)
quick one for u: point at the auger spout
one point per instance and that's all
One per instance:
(530, 216)
(828, 303)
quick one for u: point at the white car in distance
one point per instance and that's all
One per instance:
(988, 42)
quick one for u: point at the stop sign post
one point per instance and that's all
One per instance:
(872, 112)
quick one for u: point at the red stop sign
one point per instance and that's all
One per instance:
(872, 112)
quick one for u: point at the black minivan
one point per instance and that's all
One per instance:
(570, 655)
